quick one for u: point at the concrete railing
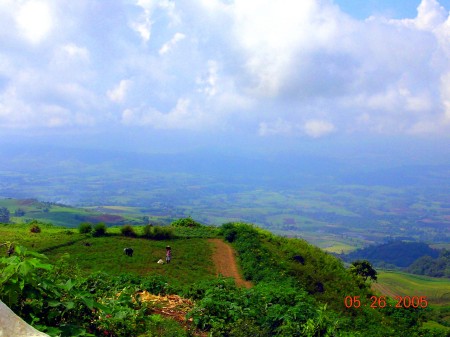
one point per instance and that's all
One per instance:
(12, 325)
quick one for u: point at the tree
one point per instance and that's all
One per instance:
(364, 269)
(4, 215)
(19, 212)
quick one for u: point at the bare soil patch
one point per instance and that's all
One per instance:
(224, 258)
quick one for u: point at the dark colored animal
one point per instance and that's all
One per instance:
(10, 250)
(128, 251)
(298, 258)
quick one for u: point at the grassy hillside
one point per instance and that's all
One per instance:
(191, 257)
(25, 210)
(299, 289)
(437, 290)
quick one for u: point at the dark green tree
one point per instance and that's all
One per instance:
(4, 215)
(19, 212)
(364, 269)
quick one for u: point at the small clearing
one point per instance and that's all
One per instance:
(224, 258)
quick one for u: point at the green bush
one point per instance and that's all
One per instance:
(148, 231)
(85, 228)
(99, 229)
(196, 232)
(229, 231)
(35, 228)
(128, 230)
(57, 300)
(158, 232)
(160, 326)
(186, 222)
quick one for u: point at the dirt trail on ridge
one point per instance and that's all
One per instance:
(224, 259)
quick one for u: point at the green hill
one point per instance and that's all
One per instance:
(25, 210)
(88, 285)
(397, 253)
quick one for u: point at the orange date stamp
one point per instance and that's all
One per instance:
(379, 302)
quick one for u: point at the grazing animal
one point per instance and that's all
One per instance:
(298, 258)
(10, 250)
(128, 251)
(160, 261)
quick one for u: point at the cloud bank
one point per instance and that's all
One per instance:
(265, 67)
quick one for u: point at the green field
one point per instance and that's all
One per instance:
(67, 216)
(437, 290)
(191, 257)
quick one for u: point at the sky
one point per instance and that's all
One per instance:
(224, 72)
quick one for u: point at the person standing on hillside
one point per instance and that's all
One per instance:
(168, 254)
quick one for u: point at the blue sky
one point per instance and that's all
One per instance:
(398, 9)
(278, 72)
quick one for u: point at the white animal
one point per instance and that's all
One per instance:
(160, 261)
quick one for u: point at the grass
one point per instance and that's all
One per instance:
(338, 247)
(435, 326)
(50, 236)
(437, 290)
(191, 258)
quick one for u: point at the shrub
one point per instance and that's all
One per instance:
(161, 326)
(99, 229)
(229, 231)
(85, 228)
(19, 212)
(148, 232)
(35, 228)
(128, 230)
(158, 232)
(186, 222)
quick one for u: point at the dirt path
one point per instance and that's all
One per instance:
(225, 261)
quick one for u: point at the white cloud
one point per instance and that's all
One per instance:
(182, 116)
(170, 44)
(275, 128)
(430, 14)
(143, 27)
(34, 20)
(208, 84)
(278, 39)
(143, 23)
(118, 94)
(74, 51)
(14, 113)
(318, 128)
(281, 68)
(445, 96)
